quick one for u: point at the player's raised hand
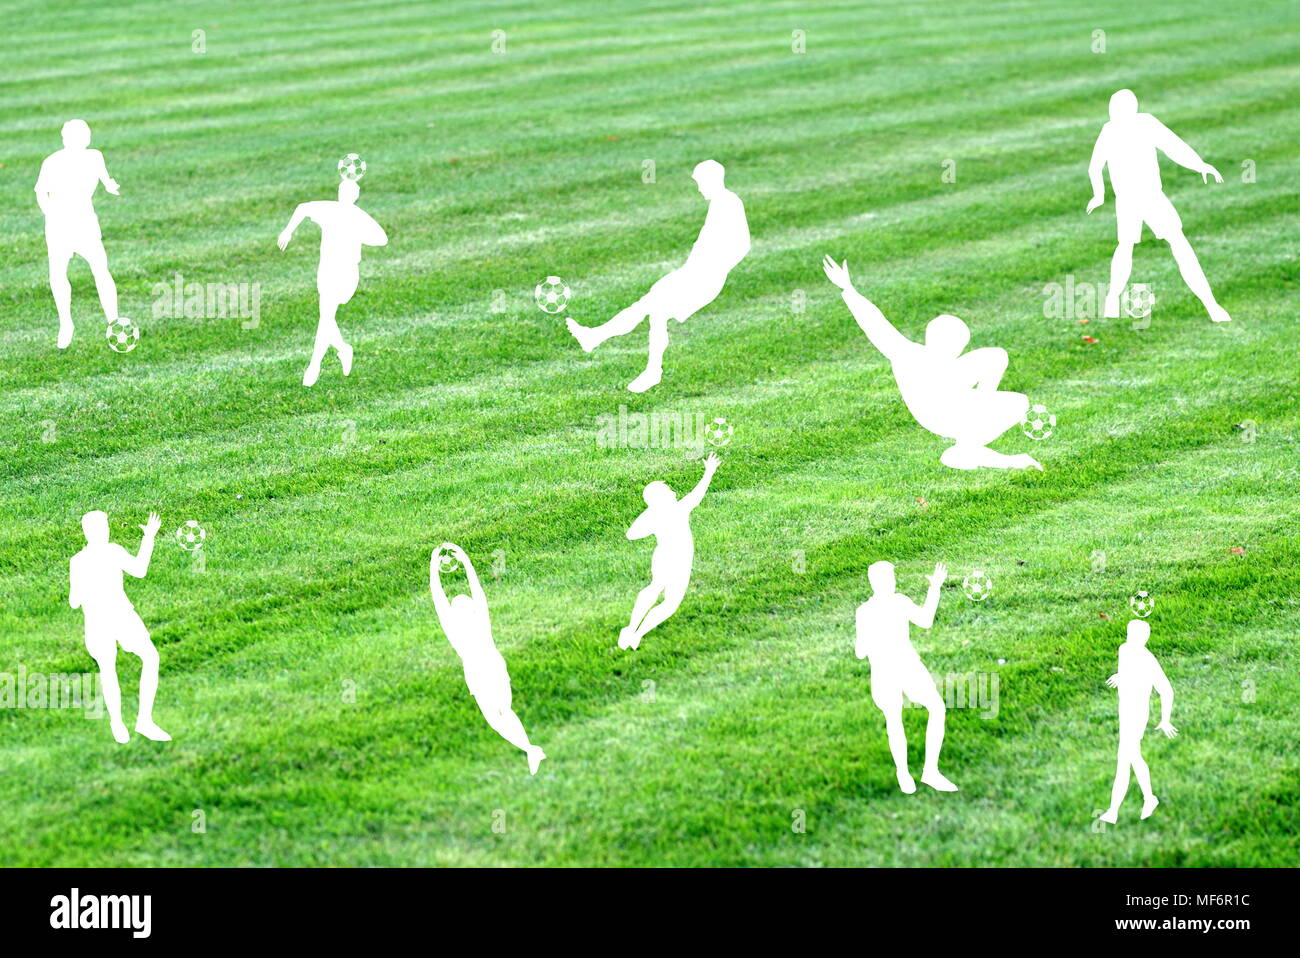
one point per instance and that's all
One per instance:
(837, 273)
(283, 241)
(1113, 681)
(712, 462)
(1168, 729)
(939, 574)
(1095, 202)
(151, 527)
(112, 187)
(1207, 171)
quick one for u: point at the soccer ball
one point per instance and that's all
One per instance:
(447, 563)
(1038, 422)
(1139, 300)
(122, 335)
(190, 536)
(352, 167)
(719, 432)
(977, 586)
(1142, 604)
(552, 296)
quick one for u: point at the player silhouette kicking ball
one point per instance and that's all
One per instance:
(1127, 146)
(896, 669)
(469, 630)
(1139, 673)
(95, 577)
(64, 191)
(723, 242)
(952, 395)
(344, 229)
(668, 519)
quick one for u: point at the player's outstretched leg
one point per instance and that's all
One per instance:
(1121, 267)
(930, 774)
(623, 322)
(674, 593)
(898, 748)
(104, 284)
(645, 599)
(327, 335)
(984, 419)
(1190, 268)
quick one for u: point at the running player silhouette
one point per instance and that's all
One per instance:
(344, 229)
(64, 191)
(1127, 146)
(1139, 673)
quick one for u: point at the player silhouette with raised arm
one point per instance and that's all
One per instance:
(1127, 146)
(952, 395)
(95, 580)
(668, 519)
(65, 189)
(469, 630)
(723, 242)
(896, 670)
(1139, 673)
(344, 229)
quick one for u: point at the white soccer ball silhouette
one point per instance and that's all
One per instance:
(977, 586)
(122, 335)
(719, 432)
(1143, 603)
(1038, 422)
(190, 535)
(352, 167)
(447, 563)
(552, 295)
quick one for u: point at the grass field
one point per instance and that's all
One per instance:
(320, 716)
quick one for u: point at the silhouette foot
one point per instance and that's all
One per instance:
(643, 382)
(311, 375)
(345, 357)
(1149, 806)
(628, 639)
(906, 782)
(535, 756)
(120, 734)
(1026, 461)
(936, 780)
(65, 335)
(582, 334)
(1219, 315)
(150, 730)
(1110, 309)
(1110, 816)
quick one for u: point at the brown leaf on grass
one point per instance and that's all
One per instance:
(1104, 615)
(1090, 340)
(1238, 550)
(1083, 322)
(921, 500)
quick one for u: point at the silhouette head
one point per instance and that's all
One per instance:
(658, 494)
(348, 191)
(1123, 103)
(881, 576)
(95, 526)
(947, 335)
(708, 177)
(76, 135)
(1139, 631)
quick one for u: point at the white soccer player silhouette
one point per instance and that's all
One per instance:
(952, 395)
(1127, 145)
(344, 229)
(723, 242)
(668, 519)
(469, 630)
(95, 579)
(64, 191)
(896, 670)
(1138, 674)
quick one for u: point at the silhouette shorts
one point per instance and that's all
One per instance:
(1157, 212)
(70, 237)
(888, 685)
(105, 631)
(683, 293)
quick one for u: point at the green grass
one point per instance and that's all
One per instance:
(492, 171)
